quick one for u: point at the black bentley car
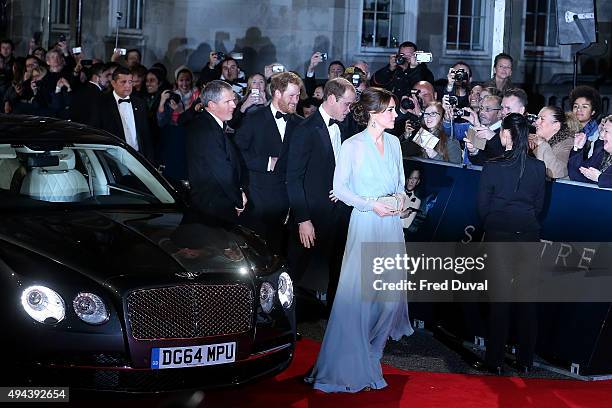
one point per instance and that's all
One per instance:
(107, 281)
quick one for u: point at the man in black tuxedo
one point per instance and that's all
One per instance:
(87, 98)
(212, 160)
(319, 219)
(263, 139)
(124, 115)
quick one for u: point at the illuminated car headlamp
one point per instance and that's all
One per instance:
(285, 290)
(266, 297)
(43, 304)
(90, 308)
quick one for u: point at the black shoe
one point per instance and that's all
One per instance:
(482, 367)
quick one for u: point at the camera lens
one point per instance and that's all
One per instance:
(407, 104)
(400, 59)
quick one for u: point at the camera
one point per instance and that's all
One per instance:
(76, 50)
(422, 56)
(453, 100)
(460, 75)
(255, 92)
(408, 104)
(414, 121)
(121, 51)
(237, 55)
(220, 55)
(175, 97)
(531, 118)
(62, 38)
(459, 113)
(400, 59)
(356, 80)
(323, 56)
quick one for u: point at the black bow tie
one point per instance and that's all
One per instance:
(128, 100)
(334, 122)
(280, 114)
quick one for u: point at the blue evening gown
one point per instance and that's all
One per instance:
(362, 319)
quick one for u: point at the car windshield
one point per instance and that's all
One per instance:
(75, 174)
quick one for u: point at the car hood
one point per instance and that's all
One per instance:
(110, 245)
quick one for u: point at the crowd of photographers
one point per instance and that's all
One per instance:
(455, 119)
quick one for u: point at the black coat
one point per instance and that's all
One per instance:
(310, 171)
(258, 139)
(502, 209)
(107, 117)
(214, 169)
(400, 81)
(84, 101)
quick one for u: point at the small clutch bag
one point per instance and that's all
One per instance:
(392, 200)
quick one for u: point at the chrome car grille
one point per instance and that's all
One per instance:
(190, 311)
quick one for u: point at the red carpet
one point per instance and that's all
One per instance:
(414, 389)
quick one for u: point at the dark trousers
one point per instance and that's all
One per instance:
(510, 276)
(324, 260)
(266, 213)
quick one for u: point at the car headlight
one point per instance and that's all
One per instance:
(285, 290)
(266, 297)
(43, 304)
(90, 308)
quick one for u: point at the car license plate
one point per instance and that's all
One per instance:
(193, 356)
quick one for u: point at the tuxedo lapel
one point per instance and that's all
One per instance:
(272, 131)
(291, 124)
(116, 116)
(323, 132)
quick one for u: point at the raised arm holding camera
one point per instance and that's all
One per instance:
(404, 70)
(458, 83)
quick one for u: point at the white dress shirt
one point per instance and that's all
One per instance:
(127, 120)
(281, 125)
(334, 132)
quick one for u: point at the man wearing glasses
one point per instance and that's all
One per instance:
(489, 116)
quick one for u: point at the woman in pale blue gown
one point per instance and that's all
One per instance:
(362, 319)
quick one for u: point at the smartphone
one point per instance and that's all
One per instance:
(323, 56)
(76, 50)
(278, 68)
(122, 51)
(237, 55)
(422, 56)
(255, 92)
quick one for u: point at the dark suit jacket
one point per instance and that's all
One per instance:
(84, 101)
(107, 117)
(500, 207)
(310, 172)
(214, 168)
(258, 139)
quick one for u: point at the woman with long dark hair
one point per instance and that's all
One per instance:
(368, 171)
(510, 200)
